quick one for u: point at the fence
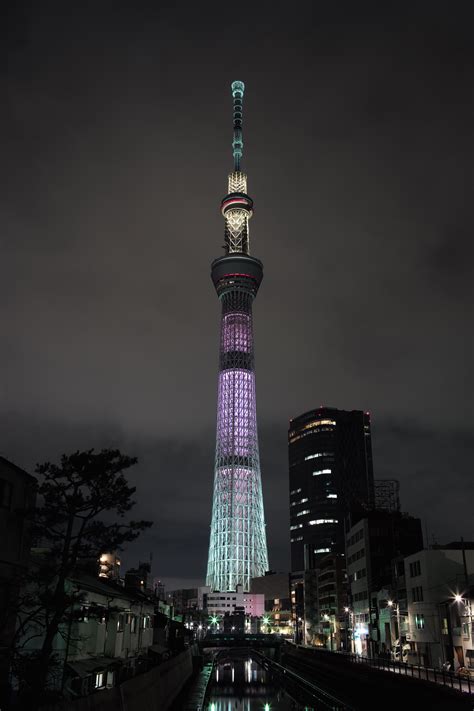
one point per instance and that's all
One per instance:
(439, 676)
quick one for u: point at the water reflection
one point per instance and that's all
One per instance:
(241, 684)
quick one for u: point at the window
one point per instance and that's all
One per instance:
(331, 496)
(6, 490)
(319, 472)
(99, 680)
(120, 623)
(322, 550)
(400, 569)
(297, 434)
(319, 454)
(302, 513)
(417, 594)
(356, 556)
(133, 624)
(415, 569)
(318, 521)
(420, 622)
(84, 614)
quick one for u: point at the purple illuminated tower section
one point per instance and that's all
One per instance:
(238, 545)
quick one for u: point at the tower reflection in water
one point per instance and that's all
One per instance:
(241, 684)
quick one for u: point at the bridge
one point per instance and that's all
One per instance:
(241, 640)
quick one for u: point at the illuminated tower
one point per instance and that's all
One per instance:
(238, 545)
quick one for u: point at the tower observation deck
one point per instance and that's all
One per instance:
(238, 546)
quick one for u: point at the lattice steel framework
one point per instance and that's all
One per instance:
(238, 547)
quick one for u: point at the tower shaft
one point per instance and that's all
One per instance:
(238, 547)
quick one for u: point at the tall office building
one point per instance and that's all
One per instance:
(238, 546)
(331, 475)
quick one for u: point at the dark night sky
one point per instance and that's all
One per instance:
(116, 126)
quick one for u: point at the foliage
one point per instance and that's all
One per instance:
(82, 504)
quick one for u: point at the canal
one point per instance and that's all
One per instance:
(240, 683)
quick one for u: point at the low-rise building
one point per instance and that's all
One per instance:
(219, 603)
(183, 600)
(439, 610)
(276, 590)
(106, 637)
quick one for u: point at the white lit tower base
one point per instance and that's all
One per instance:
(238, 546)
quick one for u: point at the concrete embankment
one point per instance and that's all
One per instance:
(364, 688)
(153, 691)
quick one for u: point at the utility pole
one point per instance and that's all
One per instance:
(467, 589)
(399, 631)
(391, 603)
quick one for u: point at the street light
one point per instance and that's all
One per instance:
(266, 621)
(215, 621)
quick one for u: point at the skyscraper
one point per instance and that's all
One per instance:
(331, 475)
(238, 546)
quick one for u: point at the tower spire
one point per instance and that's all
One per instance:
(238, 88)
(236, 207)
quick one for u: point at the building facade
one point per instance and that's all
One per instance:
(183, 600)
(238, 546)
(17, 500)
(219, 604)
(325, 616)
(372, 544)
(105, 638)
(330, 474)
(276, 590)
(439, 611)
